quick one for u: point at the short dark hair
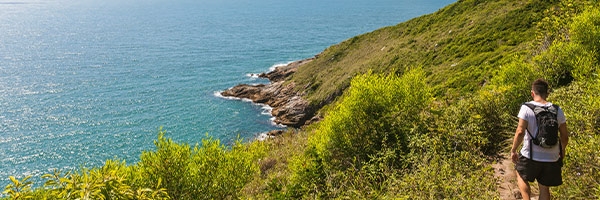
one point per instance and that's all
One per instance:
(540, 87)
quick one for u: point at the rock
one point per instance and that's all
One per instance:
(289, 108)
(244, 91)
(274, 133)
(517, 194)
(292, 113)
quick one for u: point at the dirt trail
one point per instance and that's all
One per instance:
(507, 179)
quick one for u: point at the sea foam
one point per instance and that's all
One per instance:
(265, 109)
(272, 68)
(275, 66)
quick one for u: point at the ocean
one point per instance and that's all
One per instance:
(83, 81)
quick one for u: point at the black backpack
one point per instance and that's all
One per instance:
(547, 123)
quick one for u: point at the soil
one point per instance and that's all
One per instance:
(507, 178)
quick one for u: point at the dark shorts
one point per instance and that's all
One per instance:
(546, 173)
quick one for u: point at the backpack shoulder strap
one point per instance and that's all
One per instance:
(531, 106)
(556, 107)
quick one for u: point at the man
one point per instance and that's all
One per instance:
(535, 162)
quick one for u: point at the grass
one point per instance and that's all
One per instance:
(465, 36)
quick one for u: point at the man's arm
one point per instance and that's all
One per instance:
(519, 134)
(564, 138)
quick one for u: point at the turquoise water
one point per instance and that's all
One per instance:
(85, 81)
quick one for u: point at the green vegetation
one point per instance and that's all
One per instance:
(172, 171)
(420, 110)
(458, 46)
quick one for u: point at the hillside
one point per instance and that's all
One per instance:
(420, 110)
(458, 47)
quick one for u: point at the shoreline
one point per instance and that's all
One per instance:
(265, 109)
(288, 108)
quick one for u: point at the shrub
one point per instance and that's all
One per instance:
(585, 30)
(19, 189)
(210, 171)
(374, 116)
(581, 106)
(167, 164)
(107, 182)
(221, 173)
(581, 168)
(459, 175)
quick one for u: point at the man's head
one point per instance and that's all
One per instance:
(540, 87)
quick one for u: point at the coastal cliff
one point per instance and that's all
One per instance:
(289, 108)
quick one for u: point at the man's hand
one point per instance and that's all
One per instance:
(519, 135)
(514, 156)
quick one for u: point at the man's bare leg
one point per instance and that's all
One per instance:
(524, 187)
(544, 192)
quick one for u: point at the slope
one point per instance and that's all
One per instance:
(458, 46)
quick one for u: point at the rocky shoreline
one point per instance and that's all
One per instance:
(289, 108)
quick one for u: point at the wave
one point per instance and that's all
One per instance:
(265, 109)
(253, 75)
(272, 68)
(262, 137)
(218, 94)
(275, 66)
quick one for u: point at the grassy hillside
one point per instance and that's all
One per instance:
(420, 110)
(458, 47)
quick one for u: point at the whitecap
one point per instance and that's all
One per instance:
(253, 75)
(275, 66)
(272, 68)
(218, 94)
(246, 100)
(263, 137)
(265, 109)
(276, 124)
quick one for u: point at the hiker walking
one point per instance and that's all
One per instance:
(542, 130)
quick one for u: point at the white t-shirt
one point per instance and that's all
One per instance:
(540, 154)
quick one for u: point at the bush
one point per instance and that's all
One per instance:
(581, 171)
(576, 54)
(459, 175)
(107, 182)
(172, 171)
(19, 189)
(167, 164)
(580, 101)
(581, 168)
(581, 106)
(585, 30)
(220, 173)
(211, 171)
(374, 116)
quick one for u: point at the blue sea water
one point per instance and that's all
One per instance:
(82, 81)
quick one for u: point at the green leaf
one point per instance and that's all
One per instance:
(14, 180)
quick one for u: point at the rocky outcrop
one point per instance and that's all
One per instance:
(288, 106)
(281, 73)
